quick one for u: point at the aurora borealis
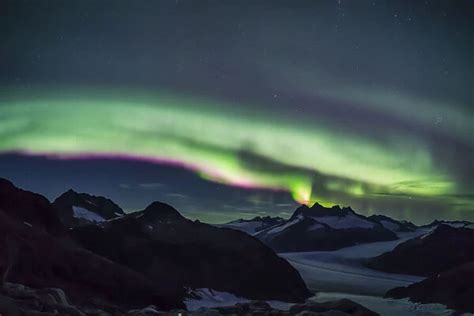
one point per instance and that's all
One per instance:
(314, 108)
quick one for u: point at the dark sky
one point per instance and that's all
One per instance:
(247, 106)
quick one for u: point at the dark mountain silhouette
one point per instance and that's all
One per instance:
(320, 228)
(178, 252)
(35, 251)
(138, 259)
(453, 288)
(29, 208)
(81, 209)
(444, 248)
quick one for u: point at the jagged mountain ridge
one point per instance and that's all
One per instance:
(82, 209)
(254, 225)
(320, 228)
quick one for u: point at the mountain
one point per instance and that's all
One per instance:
(436, 223)
(392, 224)
(178, 252)
(439, 250)
(453, 288)
(319, 228)
(29, 208)
(77, 209)
(254, 225)
(35, 250)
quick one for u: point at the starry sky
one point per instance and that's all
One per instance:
(231, 109)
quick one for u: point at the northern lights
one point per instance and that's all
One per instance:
(311, 163)
(367, 104)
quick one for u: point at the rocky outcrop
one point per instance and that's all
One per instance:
(76, 209)
(178, 252)
(442, 249)
(20, 300)
(453, 288)
(340, 307)
(320, 228)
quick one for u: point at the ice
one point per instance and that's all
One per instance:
(343, 269)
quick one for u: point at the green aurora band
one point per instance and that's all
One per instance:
(221, 143)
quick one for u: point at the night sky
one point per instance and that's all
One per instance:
(231, 109)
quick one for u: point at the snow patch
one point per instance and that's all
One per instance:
(82, 213)
(90, 202)
(390, 225)
(280, 228)
(211, 298)
(344, 222)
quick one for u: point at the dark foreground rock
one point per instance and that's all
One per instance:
(444, 248)
(177, 252)
(339, 307)
(453, 288)
(20, 300)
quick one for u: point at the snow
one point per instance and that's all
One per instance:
(387, 307)
(249, 227)
(471, 226)
(344, 222)
(390, 225)
(118, 214)
(212, 298)
(27, 224)
(280, 228)
(90, 202)
(79, 212)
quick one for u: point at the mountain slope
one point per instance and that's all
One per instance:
(254, 225)
(320, 228)
(453, 288)
(166, 246)
(82, 209)
(444, 248)
(38, 258)
(30, 208)
(392, 224)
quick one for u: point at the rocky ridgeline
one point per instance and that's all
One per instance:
(19, 300)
